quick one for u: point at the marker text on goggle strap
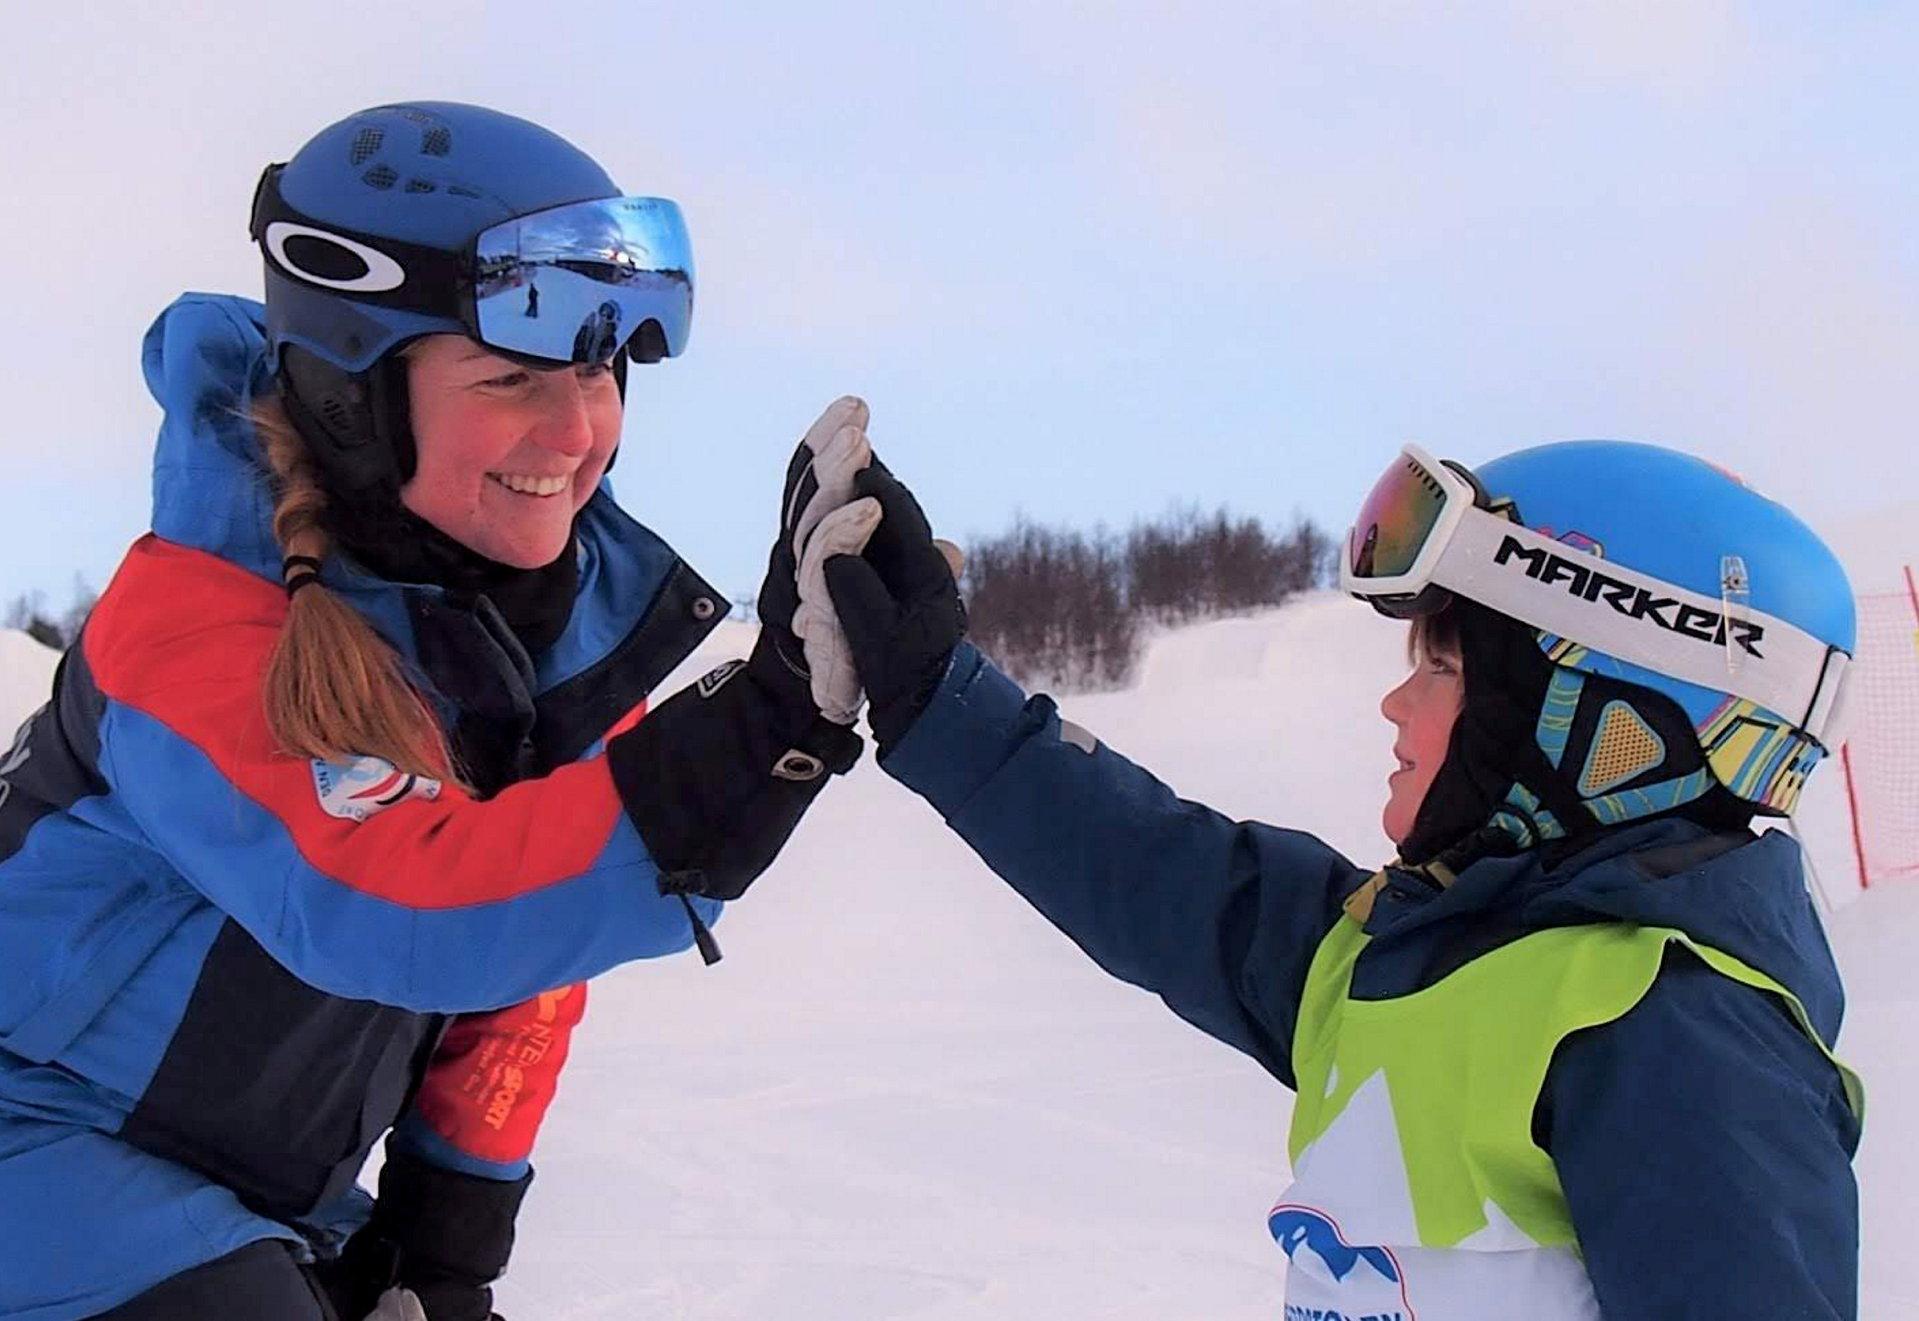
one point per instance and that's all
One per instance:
(1630, 599)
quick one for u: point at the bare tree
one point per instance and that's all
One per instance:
(30, 614)
(1067, 609)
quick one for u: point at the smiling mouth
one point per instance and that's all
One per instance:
(543, 488)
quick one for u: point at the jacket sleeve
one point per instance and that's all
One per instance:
(489, 1084)
(1219, 918)
(412, 896)
(1705, 1145)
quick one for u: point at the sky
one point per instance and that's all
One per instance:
(1086, 262)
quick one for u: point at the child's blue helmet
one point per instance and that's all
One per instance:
(1697, 633)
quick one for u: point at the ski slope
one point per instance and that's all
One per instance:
(903, 1095)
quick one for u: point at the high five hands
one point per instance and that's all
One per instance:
(875, 601)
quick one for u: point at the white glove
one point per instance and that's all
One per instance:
(844, 531)
(840, 449)
(398, 1304)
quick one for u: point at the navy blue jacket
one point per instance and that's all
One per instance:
(1703, 1142)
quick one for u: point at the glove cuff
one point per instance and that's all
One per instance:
(446, 1226)
(716, 779)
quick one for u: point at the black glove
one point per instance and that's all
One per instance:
(442, 1234)
(900, 607)
(716, 779)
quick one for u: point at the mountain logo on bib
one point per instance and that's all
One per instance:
(1316, 1248)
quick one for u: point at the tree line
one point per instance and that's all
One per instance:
(51, 627)
(1054, 607)
(1060, 608)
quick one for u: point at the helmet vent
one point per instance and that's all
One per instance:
(380, 176)
(419, 186)
(334, 410)
(461, 190)
(365, 143)
(437, 142)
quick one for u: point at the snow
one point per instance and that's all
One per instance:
(26, 677)
(1875, 546)
(903, 1095)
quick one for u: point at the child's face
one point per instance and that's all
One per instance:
(1422, 710)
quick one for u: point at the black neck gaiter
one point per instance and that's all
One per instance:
(398, 545)
(1493, 744)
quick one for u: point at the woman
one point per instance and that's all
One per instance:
(315, 840)
(1568, 1055)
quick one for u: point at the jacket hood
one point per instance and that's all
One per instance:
(205, 362)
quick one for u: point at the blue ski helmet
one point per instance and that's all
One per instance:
(432, 217)
(1718, 593)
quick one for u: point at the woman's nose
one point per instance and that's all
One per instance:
(566, 423)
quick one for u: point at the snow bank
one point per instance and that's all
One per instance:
(903, 1095)
(26, 677)
(1874, 546)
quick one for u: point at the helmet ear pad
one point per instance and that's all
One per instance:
(1495, 745)
(358, 425)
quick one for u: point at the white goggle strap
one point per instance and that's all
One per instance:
(1637, 618)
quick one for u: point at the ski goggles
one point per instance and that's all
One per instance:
(570, 284)
(1427, 532)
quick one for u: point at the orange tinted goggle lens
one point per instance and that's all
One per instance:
(1396, 520)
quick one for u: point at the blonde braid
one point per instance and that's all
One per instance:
(335, 689)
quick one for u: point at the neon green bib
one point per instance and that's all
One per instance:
(1412, 1133)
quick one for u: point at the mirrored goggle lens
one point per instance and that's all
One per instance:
(576, 283)
(1396, 520)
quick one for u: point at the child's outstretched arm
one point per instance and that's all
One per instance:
(1220, 918)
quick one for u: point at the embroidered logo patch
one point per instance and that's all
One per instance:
(715, 679)
(355, 790)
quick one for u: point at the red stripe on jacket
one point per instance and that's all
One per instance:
(184, 637)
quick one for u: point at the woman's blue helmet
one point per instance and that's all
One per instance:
(432, 217)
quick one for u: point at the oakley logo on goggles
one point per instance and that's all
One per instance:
(574, 283)
(1425, 533)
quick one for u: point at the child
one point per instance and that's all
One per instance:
(1568, 1055)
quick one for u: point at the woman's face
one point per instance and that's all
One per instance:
(507, 455)
(1422, 710)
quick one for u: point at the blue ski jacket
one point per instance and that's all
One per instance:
(228, 970)
(1704, 1143)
